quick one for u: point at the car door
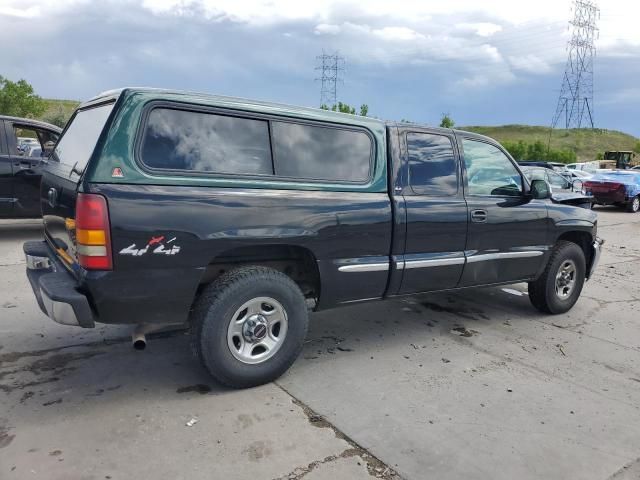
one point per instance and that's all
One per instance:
(436, 212)
(507, 235)
(27, 170)
(6, 176)
(557, 181)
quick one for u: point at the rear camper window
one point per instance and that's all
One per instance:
(79, 140)
(321, 153)
(206, 142)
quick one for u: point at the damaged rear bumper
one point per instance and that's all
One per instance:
(55, 288)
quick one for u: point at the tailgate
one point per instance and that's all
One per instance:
(61, 177)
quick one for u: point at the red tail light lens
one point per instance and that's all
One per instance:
(93, 232)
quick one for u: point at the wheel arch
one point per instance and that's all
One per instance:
(297, 262)
(584, 240)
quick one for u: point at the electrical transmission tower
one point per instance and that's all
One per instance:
(575, 105)
(330, 67)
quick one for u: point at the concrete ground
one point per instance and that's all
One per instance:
(473, 385)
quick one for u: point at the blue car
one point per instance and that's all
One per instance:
(618, 187)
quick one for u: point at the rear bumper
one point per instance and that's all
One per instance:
(607, 198)
(55, 288)
(595, 257)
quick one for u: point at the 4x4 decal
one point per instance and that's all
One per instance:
(157, 245)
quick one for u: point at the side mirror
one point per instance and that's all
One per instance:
(540, 189)
(574, 184)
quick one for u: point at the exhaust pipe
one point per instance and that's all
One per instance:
(139, 337)
(140, 331)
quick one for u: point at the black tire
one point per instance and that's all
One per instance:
(542, 292)
(634, 205)
(217, 305)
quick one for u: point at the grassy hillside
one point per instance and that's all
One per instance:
(58, 111)
(585, 142)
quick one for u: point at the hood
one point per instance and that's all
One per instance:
(572, 198)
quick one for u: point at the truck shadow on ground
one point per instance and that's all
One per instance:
(94, 375)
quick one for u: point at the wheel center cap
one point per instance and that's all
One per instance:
(255, 328)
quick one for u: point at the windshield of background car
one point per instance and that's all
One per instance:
(79, 140)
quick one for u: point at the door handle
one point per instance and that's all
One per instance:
(479, 216)
(52, 197)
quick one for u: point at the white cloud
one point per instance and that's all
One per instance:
(29, 12)
(482, 29)
(530, 64)
(327, 29)
(398, 33)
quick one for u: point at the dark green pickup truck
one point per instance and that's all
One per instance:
(238, 217)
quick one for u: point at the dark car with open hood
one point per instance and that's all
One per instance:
(236, 218)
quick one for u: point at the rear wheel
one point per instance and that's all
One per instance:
(634, 205)
(559, 287)
(249, 326)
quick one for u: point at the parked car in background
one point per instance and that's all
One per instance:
(618, 187)
(564, 188)
(35, 152)
(557, 181)
(550, 165)
(589, 167)
(236, 217)
(572, 175)
(24, 144)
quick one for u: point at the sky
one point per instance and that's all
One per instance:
(485, 63)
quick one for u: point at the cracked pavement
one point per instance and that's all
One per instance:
(470, 385)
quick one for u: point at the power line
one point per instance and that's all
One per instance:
(575, 104)
(331, 67)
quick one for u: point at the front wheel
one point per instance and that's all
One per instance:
(559, 287)
(249, 326)
(634, 205)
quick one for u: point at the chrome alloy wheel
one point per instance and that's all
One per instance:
(635, 205)
(566, 279)
(257, 330)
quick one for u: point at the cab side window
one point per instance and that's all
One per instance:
(33, 142)
(432, 164)
(489, 170)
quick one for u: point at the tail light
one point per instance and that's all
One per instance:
(93, 240)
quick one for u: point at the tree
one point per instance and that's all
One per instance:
(447, 121)
(636, 148)
(19, 99)
(345, 108)
(537, 151)
(58, 116)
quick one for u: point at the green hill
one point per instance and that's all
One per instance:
(585, 142)
(58, 111)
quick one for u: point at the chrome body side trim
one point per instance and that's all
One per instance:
(483, 257)
(364, 267)
(436, 262)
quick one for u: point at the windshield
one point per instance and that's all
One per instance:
(76, 145)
